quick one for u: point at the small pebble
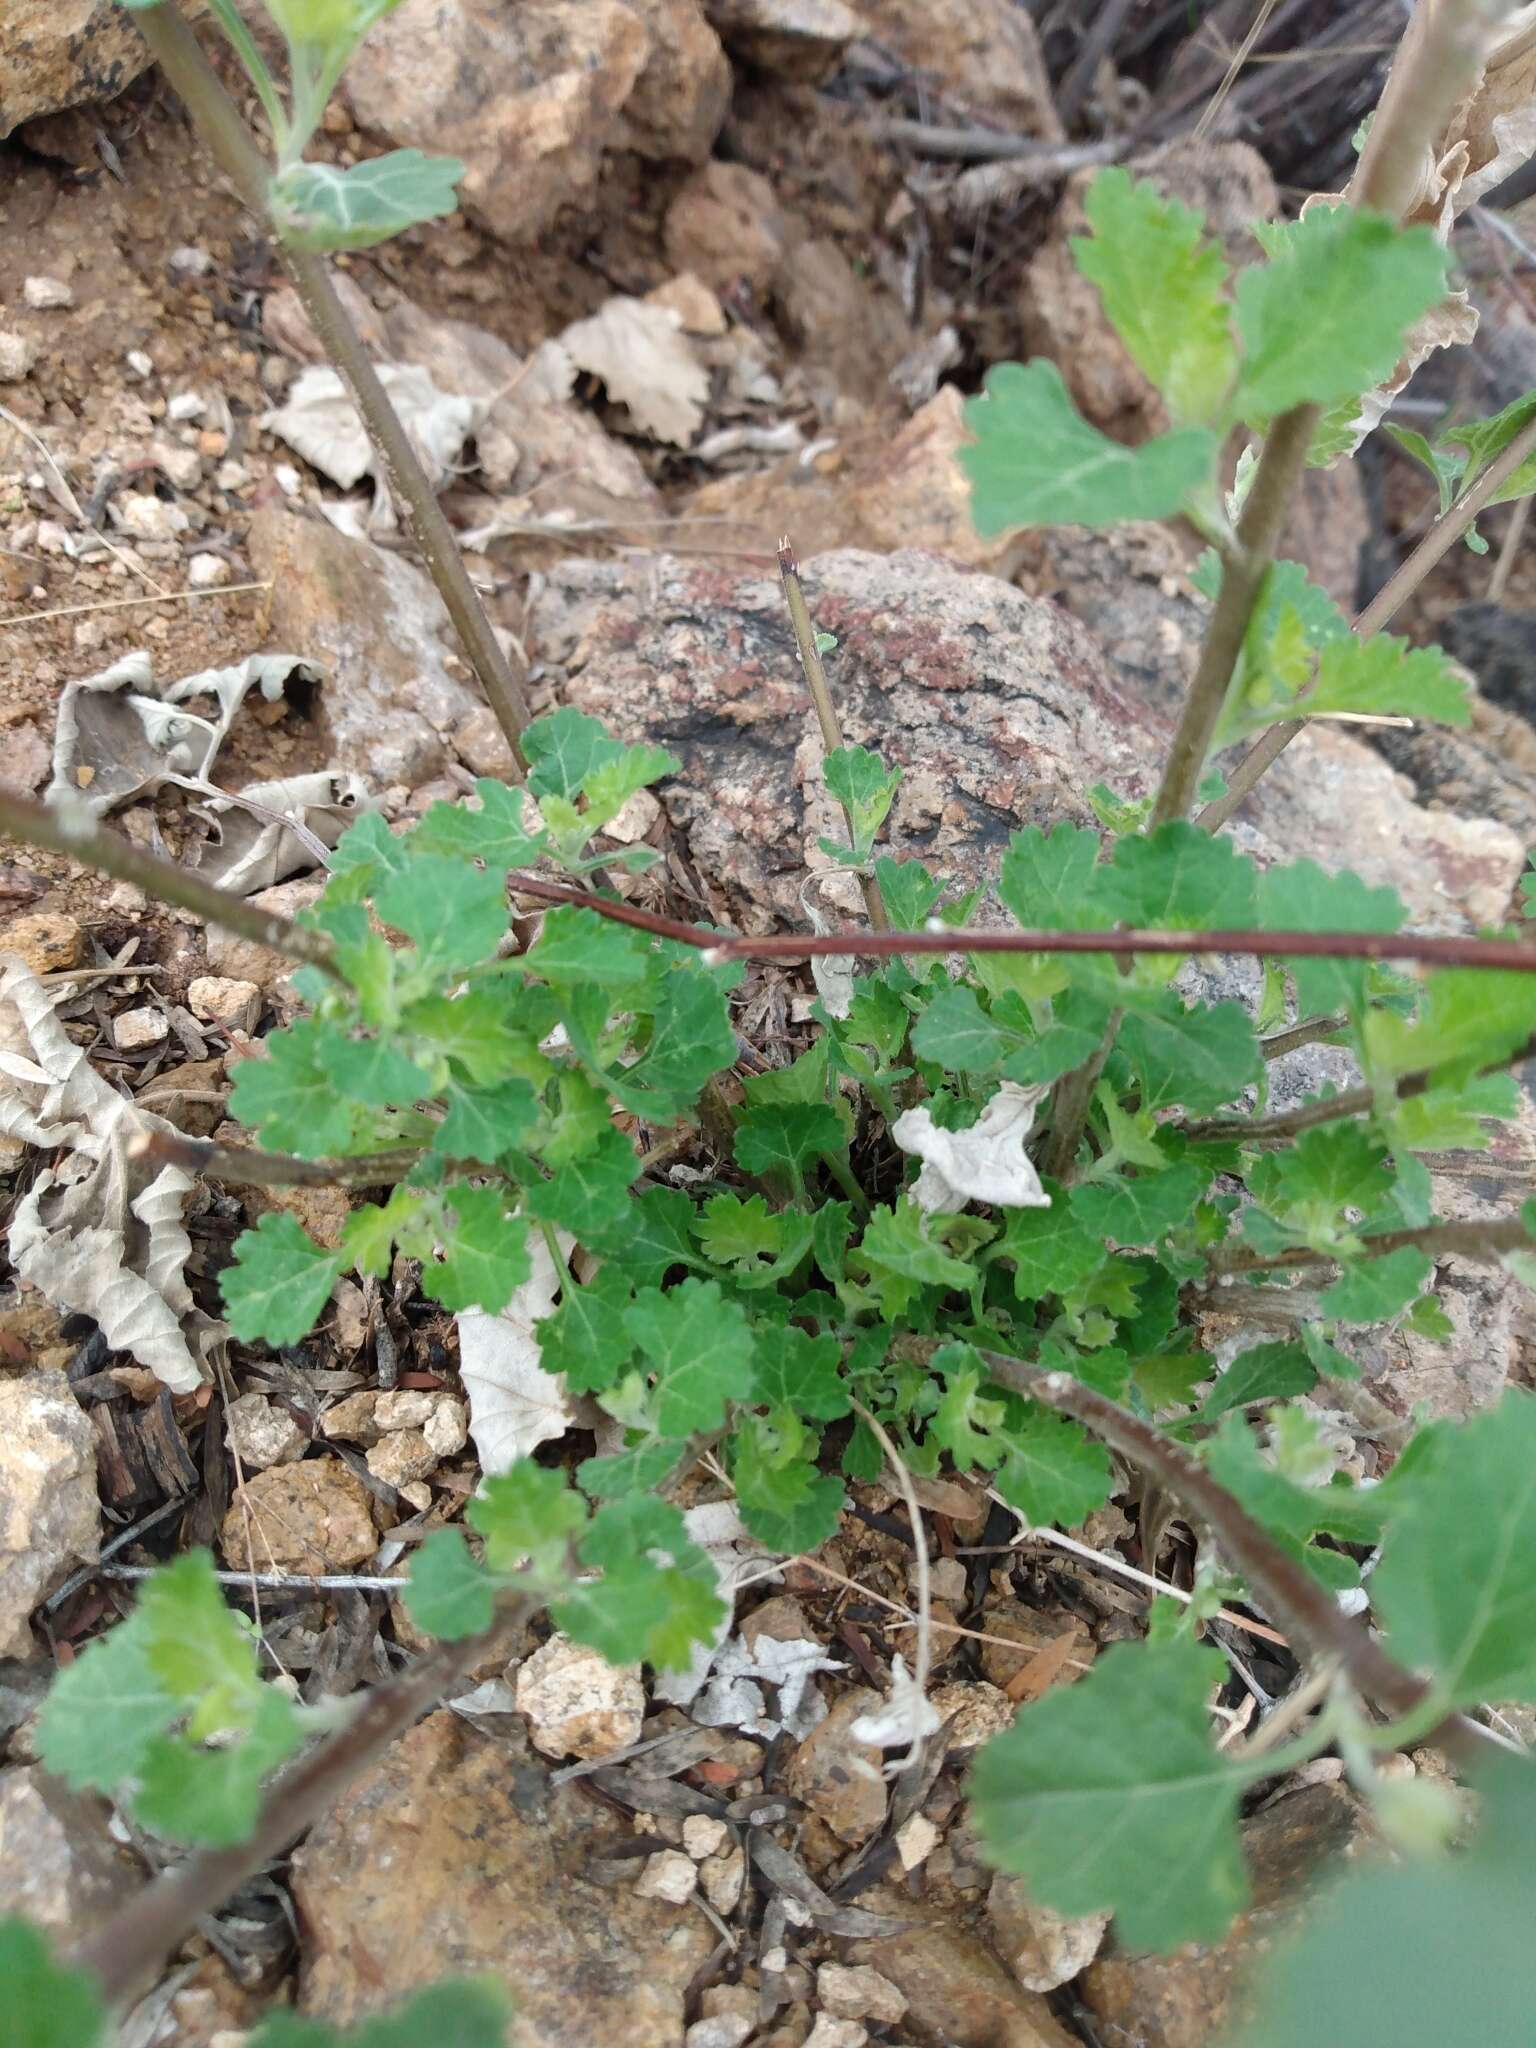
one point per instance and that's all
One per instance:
(916, 1841)
(702, 1835)
(47, 940)
(578, 1704)
(18, 352)
(217, 1000)
(186, 405)
(859, 1994)
(142, 365)
(402, 1457)
(262, 1434)
(722, 1879)
(191, 261)
(209, 572)
(670, 1875)
(137, 1030)
(46, 294)
(726, 2030)
(146, 517)
(831, 2033)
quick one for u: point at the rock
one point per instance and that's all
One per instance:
(46, 294)
(244, 959)
(143, 516)
(376, 626)
(722, 1879)
(1033, 1632)
(577, 1703)
(782, 1618)
(859, 1994)
(59, 1866)
(446, 1429)
(403, 1456)
(681, 96)
(1042, 1948)
(797, 40)
(958, 1994)
(850, 326)
(481, 745)
(49, 1517)
(65, 53)
(1061, 315)
(1195, 1995)
(47, 940)
(839, 1779)
(999, 707)
(492, 1861)
(313, 1517)
(531, 97)
(28, 760)
(724, 2030)
(831, 2033)
(726, 226)
(262, 1433)
(218, 1000)
(407, 1408)
(974, 1710)
(983, 54)
(18, 352)
(137, 1030)
(669, 1875)
(209, 572)
(916, 1840)
(353, 1419)
(702, 1836)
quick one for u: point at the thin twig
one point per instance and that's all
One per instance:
(1509, 550)
(265, 1582)
(117, 604)
(826, 710)
(1107, 1561)
(218, 119)
(922, 1653)
(137, 1940)
(76, 835)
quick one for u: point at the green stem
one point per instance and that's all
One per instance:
(1243, 570)
(826, 710)
(179, 56)
(74, 834)
(842, 1173)
(1071, 1101)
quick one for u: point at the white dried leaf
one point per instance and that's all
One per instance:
(319, 421)
(1498, 122)
(642, 356)
(100, 1232)
(905, 1720)
(833, 973)
(987, 1163)
(514, 1404)
(734, 1698)
(120, 734)
(254, 849)
(737, 1556)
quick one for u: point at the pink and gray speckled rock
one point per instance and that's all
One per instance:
(1001, 709)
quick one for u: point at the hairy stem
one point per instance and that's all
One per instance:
(826, 711)
(1243, 570)
(1071, 1100)
(1440, 539)
(136, 1941)
(273, 1169)
(179, 56)
(78, 837)
(1470, 1240)
(1438, 62)
(1295, 1600)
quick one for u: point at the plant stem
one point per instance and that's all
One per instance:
(826, 711)
(1310, 1031)
(842, 1173)
(179, 56)
(272, 1169)
(1071, 1100)
(79, 838)
(1439, 540)
(1243, 571)
(1438, 62)
(1473, 1240)
(137, 1940)
(1439, 950)
(1294, 1600)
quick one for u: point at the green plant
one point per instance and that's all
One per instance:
(1020, 1307)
